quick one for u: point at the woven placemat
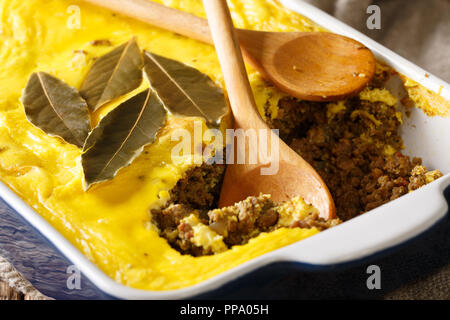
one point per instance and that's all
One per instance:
(13, 286)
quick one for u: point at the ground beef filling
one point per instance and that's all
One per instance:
(200, 187)
(355, 147)
(203, 232)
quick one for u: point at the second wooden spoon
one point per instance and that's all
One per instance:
(316, 66)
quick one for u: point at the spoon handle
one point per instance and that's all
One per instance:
(159, 15)
(230, 57)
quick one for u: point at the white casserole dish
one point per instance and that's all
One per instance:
(373, 232)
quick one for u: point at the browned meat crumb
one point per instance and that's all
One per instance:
(80, 52)
(420, 177)
(101, 42)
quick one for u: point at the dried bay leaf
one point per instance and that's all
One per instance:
(121, 136)
(113, 75)
(56, 108)
(184, 90)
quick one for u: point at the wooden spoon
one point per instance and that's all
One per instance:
(316, 66)
(294, 176)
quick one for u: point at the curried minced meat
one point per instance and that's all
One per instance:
(200, 187)
(354, 145)
(355, 149)
(233, 225)
(420, 176)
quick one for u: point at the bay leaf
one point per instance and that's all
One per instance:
(113, 75)
(56, 108)
(121, 136)
(185, 90)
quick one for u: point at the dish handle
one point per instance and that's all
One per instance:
(373, 232)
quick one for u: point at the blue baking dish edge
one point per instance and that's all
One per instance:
(307, 267)
(90, 291)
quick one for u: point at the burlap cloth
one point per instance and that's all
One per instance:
(417, 30)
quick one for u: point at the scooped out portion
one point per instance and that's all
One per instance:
(192, 228)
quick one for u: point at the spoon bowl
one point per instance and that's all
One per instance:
(315, 66)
